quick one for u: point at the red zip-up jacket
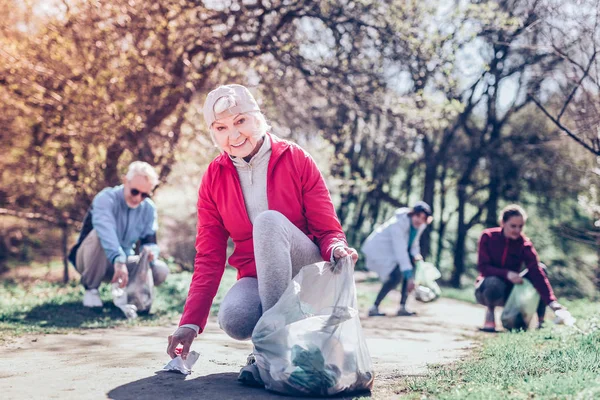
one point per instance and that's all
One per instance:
(295, 188)
(499, 254)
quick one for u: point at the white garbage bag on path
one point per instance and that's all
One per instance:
(311, 342)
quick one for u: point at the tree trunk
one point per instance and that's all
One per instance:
(442, 223)
(353, 235)
(65, 250)
(428, 197)
(459, 248)
(598, 266)
(440, 242)
(408, 181)
(111, 173)
(494, 196)
(343, 210)
(374, 208)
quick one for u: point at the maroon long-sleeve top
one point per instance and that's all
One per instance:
(498, 255)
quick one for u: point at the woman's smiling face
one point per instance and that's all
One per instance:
(237, 135)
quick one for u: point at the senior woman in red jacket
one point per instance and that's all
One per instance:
(268, 195)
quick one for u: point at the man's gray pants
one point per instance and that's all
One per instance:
(95, 268)
(280, 251)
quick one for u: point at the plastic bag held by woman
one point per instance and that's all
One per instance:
(311, 341)
(520, 306)
(426, 275)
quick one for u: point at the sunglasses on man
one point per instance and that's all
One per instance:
(135, 192)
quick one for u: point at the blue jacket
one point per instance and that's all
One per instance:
(118, 226)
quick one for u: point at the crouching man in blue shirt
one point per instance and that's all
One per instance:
(118, 218)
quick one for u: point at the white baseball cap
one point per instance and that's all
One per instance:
(241, 99)
(421, 206)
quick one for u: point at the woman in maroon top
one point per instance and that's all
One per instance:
(502, 252)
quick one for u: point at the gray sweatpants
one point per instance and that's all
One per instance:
(95, 268)
(280, 251)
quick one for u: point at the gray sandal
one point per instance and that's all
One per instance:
(403, 312)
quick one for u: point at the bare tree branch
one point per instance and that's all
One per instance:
(564, 128)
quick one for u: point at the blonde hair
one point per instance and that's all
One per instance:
(141, 168)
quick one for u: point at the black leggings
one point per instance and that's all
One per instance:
(393, 281)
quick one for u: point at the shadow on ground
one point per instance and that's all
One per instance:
(69, 315)
(223, 386)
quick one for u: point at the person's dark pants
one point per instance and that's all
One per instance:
(494, 291)
(395, 278)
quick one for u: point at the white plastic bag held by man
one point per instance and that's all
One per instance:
(139, 293)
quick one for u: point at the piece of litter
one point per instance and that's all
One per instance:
(120, 299)
(564, 317)
(182, 366)
(524, 272)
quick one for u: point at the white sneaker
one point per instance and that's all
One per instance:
(91, 298)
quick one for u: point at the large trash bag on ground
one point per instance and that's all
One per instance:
(137, 297)
(520, 306)
(311, 342)
(427, 288)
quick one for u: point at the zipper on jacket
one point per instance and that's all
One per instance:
(126, 224)
(505, 253)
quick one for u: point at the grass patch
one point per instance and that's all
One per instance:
(556, 362)
(46, 307)
(466, 293)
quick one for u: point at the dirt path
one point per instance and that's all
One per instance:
(122, 363)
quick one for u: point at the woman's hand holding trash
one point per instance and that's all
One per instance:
(184, 336)
(555, 306)
(341, 252)
(514, 277)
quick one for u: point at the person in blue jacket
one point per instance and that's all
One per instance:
(118, 218)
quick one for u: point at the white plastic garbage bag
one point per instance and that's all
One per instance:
(139, 293)
(520, 306)
(311, 342)
(424, 294)
(119, 296)
(426, 275)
